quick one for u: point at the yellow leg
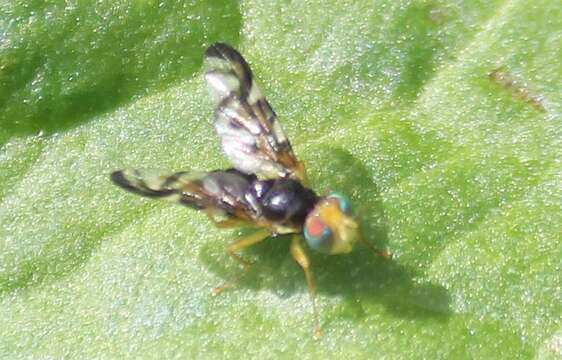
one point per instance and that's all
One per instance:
(300, 257)
(237, 246)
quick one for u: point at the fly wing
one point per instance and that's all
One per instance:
(251, 136)
(219, 193)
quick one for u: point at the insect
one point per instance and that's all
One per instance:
(266, 186)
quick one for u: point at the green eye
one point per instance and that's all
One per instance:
(317, 235)
(343, 201)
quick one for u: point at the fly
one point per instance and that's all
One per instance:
(267, 185)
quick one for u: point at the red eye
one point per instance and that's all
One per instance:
(315, 227)
(318, 235)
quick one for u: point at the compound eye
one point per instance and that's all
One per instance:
(318, 235)
(343, 202)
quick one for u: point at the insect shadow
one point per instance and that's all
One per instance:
(359, 279)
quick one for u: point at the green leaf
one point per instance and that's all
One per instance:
(440, 119)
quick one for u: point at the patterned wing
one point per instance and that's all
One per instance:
(219, 193)
(250, 133)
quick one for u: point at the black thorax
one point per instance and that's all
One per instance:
(282, 201)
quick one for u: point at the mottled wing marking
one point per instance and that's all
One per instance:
(250, 134)
(218, 192)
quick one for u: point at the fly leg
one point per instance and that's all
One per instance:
(229, 222)
(377, 252)
(383, 253)
(302, 259)
(234, 248)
